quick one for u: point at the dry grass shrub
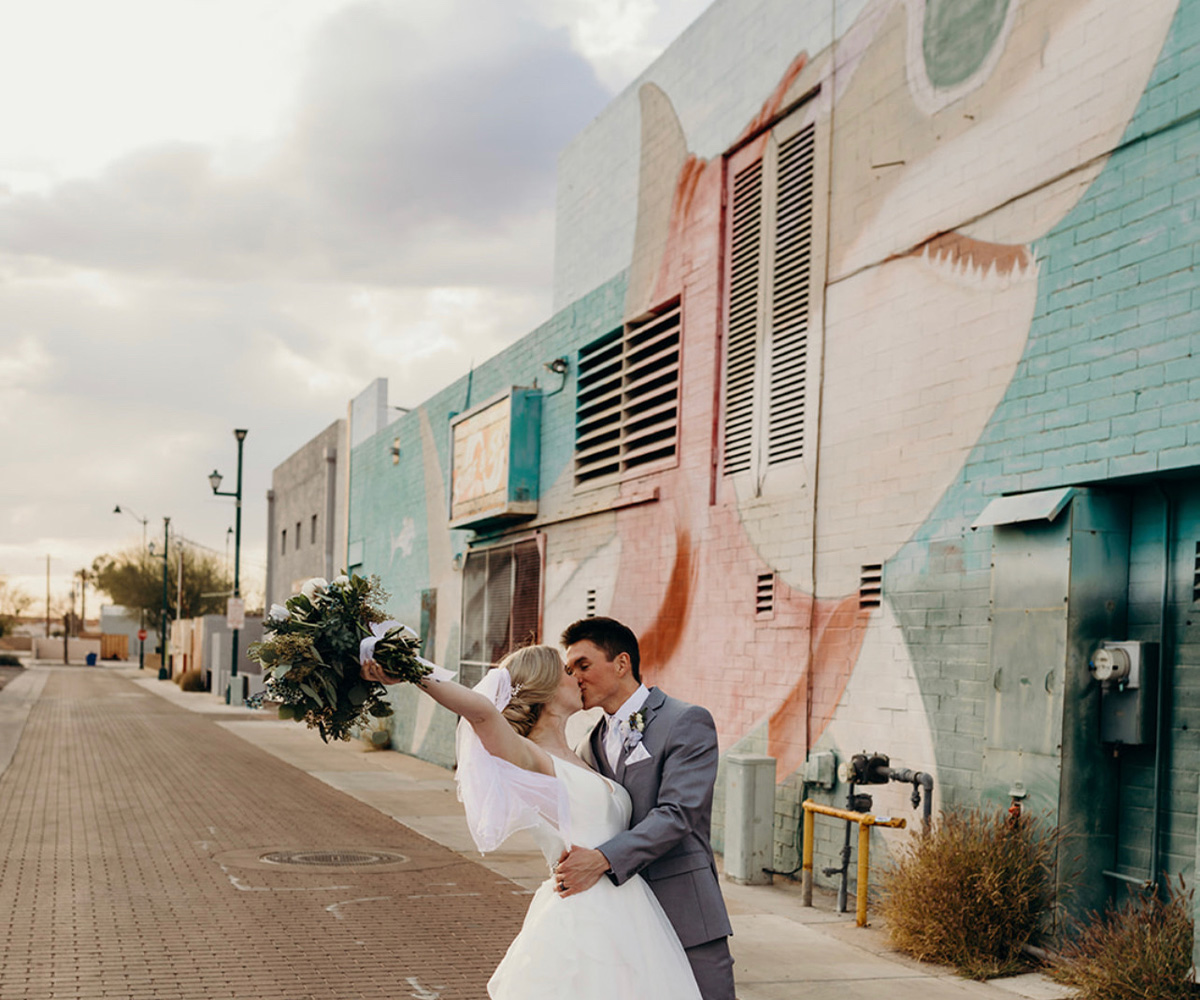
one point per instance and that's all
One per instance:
(191, 680)
(1140, 950)
(970, 892)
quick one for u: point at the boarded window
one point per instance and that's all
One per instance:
(769, 302)
(502, 605)
(627, 406)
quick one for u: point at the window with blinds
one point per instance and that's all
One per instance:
(769, 304)
(502, 605)
(627, 407)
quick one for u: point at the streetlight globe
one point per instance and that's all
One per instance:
(240, 434)
(215, 480)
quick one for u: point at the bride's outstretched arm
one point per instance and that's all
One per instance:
(493, 730)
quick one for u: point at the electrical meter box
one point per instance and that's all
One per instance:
(1128, 676)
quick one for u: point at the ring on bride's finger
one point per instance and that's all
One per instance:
(562, 886)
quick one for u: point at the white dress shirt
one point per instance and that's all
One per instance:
(618, 724)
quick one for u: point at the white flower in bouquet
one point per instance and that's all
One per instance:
(278, 613)
(314, 587)
(339, 581)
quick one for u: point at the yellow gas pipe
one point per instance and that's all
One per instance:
(865, 821)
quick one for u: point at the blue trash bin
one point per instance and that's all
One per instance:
(91, 659)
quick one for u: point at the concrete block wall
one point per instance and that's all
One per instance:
(399, 511)
(301, 488)
(1008, 306)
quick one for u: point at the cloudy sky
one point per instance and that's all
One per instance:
(236, 213)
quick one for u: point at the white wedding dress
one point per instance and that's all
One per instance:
(608, 943)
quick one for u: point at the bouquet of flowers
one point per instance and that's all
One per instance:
(312, 651)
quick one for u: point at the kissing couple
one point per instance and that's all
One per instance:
(632, 908)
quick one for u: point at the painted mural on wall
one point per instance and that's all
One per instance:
(961, 135)
(960, 148)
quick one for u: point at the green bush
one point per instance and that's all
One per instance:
(1136, 951)
(970, 893)
(8, 660)
(191, 680)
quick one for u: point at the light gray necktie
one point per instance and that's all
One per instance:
(612, 743)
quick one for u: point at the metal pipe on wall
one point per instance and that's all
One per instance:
(1164, 680)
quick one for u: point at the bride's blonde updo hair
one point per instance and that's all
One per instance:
(536, 672)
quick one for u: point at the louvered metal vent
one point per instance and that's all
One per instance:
(1196, 576)
(598, 409)
(590, 611)
(627, 410)
(651, 425)
(764, 595)
(741, 356)
(790, 297)
(870, 587)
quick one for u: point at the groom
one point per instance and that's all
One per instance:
(664, 752)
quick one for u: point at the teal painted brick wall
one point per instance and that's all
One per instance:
(1109, 387)
(388, 502)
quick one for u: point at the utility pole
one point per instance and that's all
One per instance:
(164, 622)
(143, 521)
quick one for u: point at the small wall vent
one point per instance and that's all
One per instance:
(1196, 576)
(870, 585)
(591, 605)
(764, 596)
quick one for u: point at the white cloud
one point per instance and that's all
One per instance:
(236, 213)
(23, 365)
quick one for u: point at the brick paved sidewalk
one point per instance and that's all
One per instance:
(130, 837)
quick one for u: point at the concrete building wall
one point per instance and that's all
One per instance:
(303, 515)
(1001, 298)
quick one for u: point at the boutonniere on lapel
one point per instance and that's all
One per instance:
(637, 726)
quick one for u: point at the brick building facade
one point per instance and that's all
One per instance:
(833, 278)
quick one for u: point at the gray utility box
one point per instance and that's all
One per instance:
(749, 818)
(1128, 676)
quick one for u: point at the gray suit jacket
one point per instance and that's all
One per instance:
(668, 839)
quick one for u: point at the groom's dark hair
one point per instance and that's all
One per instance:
(609, 635)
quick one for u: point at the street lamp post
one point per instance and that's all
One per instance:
(214, 480)
(163, 672)
(118, 509)
(143, 521)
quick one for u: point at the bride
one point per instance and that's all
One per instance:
(516, 771)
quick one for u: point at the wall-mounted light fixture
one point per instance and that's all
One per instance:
(559, 366)
(395, 451)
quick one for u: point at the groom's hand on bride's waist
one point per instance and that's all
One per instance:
(578, 870)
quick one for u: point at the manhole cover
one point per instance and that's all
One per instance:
(347, 859)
